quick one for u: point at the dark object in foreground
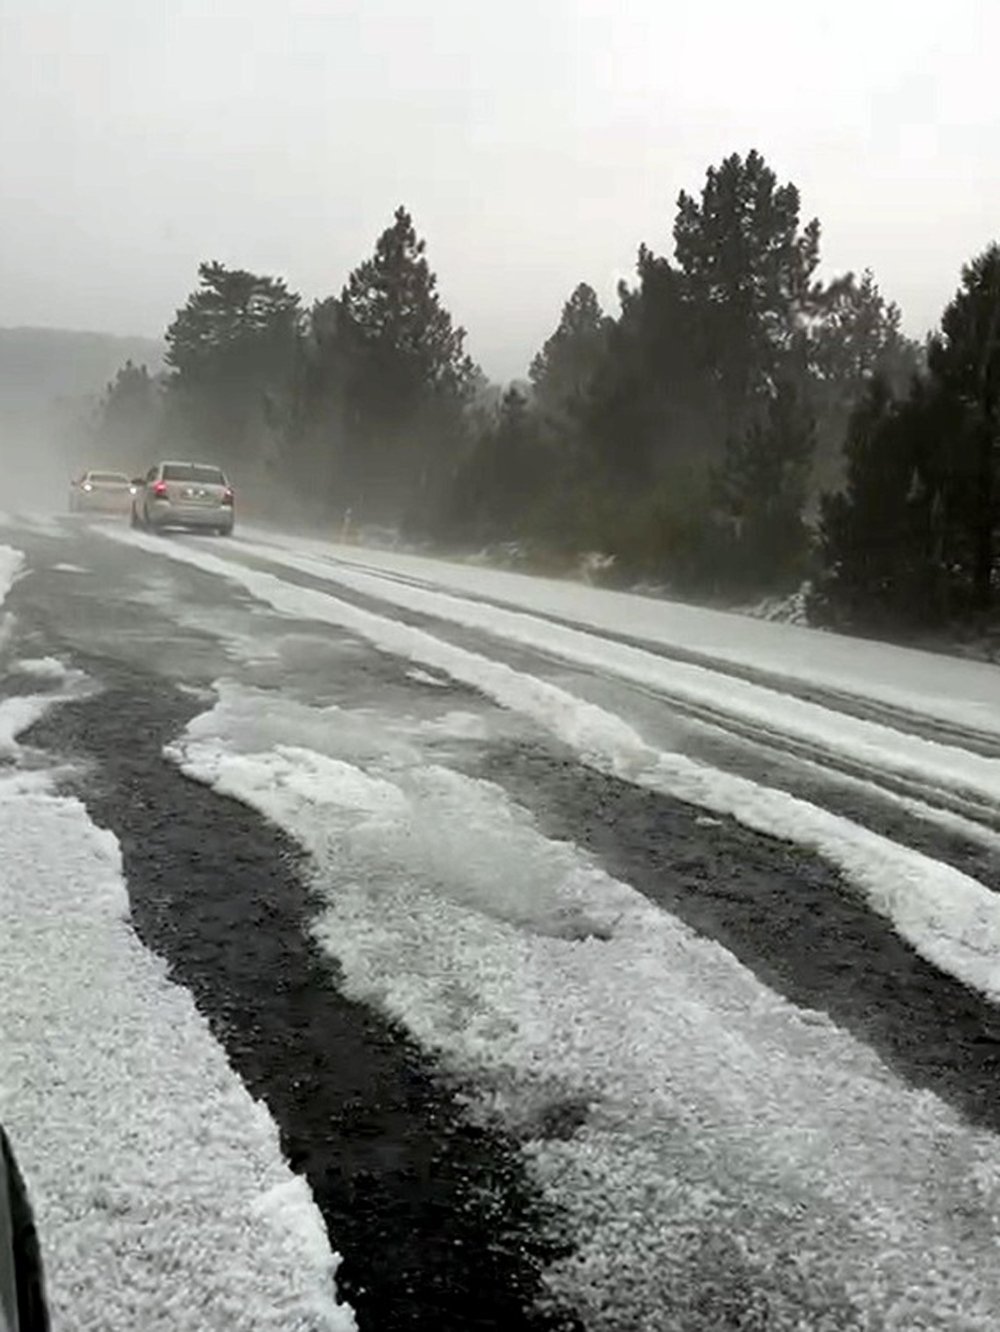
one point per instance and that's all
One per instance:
(22, 1282)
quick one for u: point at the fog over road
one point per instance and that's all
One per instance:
(555, 958)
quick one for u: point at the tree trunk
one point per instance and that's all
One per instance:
(983, 534)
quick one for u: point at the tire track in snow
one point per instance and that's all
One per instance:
(895, 793)
(779, 909)
(600, 998)
(432, 1215)
(787, 917)
(740, 847)
(901, 777)
(951, 920)
(937, 729)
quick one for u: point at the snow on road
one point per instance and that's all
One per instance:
(949, 918)
(163, 1201)
(721, 1157)
(49, 669)
(966, 693)
(559, 991)
(16, 715)
(39, 524)
(11, 561)
(869, 746)
(162, 1197)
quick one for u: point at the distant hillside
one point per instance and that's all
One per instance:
(41, 366)
(50, 379)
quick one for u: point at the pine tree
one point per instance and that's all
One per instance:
(392, 299)
(128, 418)
(965, 360)
(234, 319)
(855, 338)
(664, 416)
(411, 378)
(761, 490)
(505, 481)
(748, 271)
(704, 339)
(887, 556)
(563, 372)
(231, 350)
(319, 443)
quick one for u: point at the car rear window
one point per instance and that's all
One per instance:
(208, 476)
(118, 478)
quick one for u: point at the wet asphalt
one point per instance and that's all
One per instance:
(434, 1214)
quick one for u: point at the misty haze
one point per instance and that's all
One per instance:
(499, 667)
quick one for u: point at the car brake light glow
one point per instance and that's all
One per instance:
(160, 489)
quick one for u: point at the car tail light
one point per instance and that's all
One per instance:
(160, 490)
(228, 495)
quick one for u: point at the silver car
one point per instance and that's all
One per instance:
(100, 492)
(183, 494)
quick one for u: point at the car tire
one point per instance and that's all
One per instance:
(226, 531)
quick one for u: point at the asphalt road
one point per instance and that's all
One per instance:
(434, 1205)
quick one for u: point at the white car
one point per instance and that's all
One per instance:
(100, 492)
(183, 494)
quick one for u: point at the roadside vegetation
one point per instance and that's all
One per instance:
(738, 428)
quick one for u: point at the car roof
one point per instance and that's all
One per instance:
(189, 462)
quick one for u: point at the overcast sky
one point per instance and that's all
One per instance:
(536, 141)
